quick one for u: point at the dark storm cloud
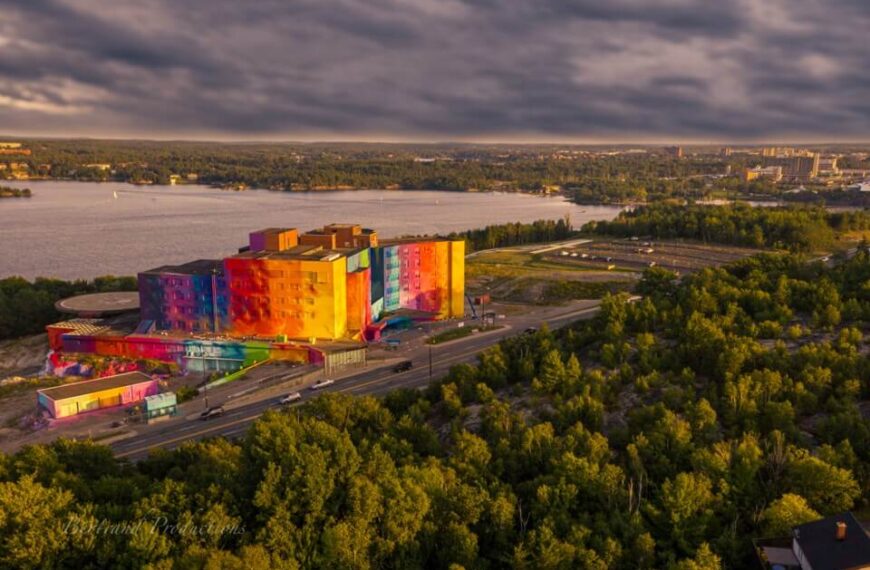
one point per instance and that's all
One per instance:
(578, 69)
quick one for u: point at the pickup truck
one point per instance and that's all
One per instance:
(321, 384)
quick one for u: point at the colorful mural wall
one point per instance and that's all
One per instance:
(275, 295)
(424, 276)
(189, 298)
(192, 354)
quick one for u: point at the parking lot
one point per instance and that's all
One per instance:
(638, 254)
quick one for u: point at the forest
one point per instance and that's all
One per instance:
(792, 228)
(664, 433)
(26, 307)
(517, 233)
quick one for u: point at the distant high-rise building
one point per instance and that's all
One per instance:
(726, 151)
(797, 167)
(828, 166)
(675, 151)
(777, 151)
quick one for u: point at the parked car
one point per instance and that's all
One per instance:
(213, 412)
(290, 398)
(322, 384)
(530, 330)
(403, 366)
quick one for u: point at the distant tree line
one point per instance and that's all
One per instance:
(311, 167)
(794, 228)
(515, 233)
(26, 307)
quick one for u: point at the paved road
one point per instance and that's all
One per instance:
(370, 381)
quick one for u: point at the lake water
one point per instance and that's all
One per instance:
(81, 230)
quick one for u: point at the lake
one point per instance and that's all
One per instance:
(83, 229)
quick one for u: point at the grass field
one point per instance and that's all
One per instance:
(523, 277)
(457, 333)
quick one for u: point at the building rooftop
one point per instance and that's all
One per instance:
(414, 239)
(117, 326)
(89, 386)
(274, 230)
(303, 252)
(819, 543)
(100, 303)
(198, 267)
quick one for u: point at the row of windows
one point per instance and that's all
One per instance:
(267, 315)
(260, 301)
(272, 274)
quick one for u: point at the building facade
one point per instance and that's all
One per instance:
(285, 295)
(89, 395)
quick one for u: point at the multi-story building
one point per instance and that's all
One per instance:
(285, 295)
(674, 151)
(795, 167)
(770, 172)
(828, 166)
(298, 292)
(191, 297)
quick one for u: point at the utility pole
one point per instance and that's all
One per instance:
(430, 363)
(214, 318)
(204, 377)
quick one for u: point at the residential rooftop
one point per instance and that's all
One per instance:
(822, 548)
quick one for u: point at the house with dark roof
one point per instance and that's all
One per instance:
(837, 542)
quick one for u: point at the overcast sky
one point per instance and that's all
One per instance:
(541, 70)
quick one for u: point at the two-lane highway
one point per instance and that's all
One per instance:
(370, 381)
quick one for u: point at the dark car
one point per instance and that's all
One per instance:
(403, 366)
(214, 412)
(530, 330)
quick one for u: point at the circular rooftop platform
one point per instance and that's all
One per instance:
(96, 304)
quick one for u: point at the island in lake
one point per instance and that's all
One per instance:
(9, 192)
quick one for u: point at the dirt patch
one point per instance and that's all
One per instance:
(23, 356)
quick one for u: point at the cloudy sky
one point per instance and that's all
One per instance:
(541, 70)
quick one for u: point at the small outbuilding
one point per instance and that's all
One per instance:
(88, 395)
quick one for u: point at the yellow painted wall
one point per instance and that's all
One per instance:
(457, 278)
(88, 402)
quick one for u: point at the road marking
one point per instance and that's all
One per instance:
(189, 435)
(219, 428)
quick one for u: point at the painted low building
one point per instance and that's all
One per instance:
(160, 406)
(89, 395)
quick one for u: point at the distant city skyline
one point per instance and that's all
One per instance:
(584, 72)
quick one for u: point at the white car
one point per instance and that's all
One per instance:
(322, 384)
(290, 398)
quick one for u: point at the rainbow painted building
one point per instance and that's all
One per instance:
(80, 397)
(313, 297)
